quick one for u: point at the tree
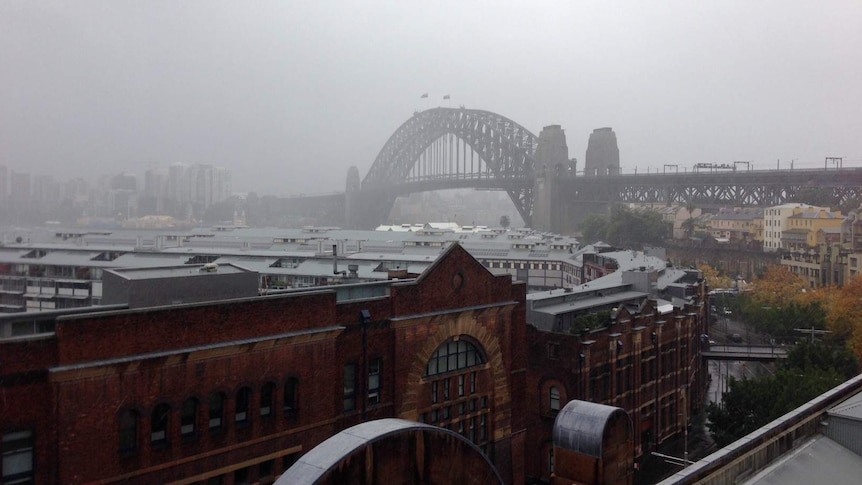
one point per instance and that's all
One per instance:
(713, 278)
(777, 288)
(844, 315)
(594, 228)
(504, 221)
(688, 226)
(817, 196)
(626, 228)
(781, 322)
(820, 355)
(810, 370)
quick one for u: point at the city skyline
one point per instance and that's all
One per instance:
(288, 96)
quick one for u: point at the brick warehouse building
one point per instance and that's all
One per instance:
(235, 391)
(643, 357)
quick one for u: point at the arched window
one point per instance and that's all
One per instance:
(160, 423)
(267, 393)
(291, 395)
(453, 355)
(129, 430)
(242, 399)
(189, 417)
(554, 398)
(217, 400)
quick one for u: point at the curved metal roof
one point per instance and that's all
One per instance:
(315, 464)
(580, 426)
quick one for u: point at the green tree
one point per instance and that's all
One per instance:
(781, 321)
(820, 355)
(504, 221)
(819, 196)
(594, 228)
(810, 370)
(590, 321)
(626, 228)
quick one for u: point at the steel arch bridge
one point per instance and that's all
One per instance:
(445, 148)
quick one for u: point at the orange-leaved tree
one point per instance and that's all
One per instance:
(844, 315)
(777, 288)
(713, 278)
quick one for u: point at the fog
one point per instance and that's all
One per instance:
(289, 94)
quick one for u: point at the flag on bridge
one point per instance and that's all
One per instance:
(424, 95)
(446, 97)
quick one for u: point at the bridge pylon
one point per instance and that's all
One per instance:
(552, 163)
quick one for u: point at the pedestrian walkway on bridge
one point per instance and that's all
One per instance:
(744, 352)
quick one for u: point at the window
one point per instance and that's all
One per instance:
(240, 477)
(18, 457)
(266, 395)
(445, 389)
(453, 355)
(461, 380)
(553, 350)
(349, 387)
(242, 399)
(217, 410)
(160, 423)
(265, 471)
(554, 398)
(129, 430)
(551, 461)
(434, 392)
(291, 396)
(374, 378)
(189, 417)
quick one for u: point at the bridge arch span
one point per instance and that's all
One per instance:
(504, 152)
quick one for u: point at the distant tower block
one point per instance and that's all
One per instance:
(551, 154)
(603, 155)
(350, 203)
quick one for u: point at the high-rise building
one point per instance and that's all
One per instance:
(19, 193)
(222, 185)
(4, 183)
(178, 182)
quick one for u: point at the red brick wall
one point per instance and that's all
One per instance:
(26, 399)
(83, 400)
(144, 331)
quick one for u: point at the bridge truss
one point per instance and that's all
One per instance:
(444, 148)
(744, 188)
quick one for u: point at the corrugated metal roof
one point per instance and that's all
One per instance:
(821, 460)
(593, 301)
(580, 426)
(317, 463)
(851, 408)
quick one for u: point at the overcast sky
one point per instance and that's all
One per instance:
(289, 94)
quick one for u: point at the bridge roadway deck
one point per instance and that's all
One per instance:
(744, 352)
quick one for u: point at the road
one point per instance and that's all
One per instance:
(700, 443)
